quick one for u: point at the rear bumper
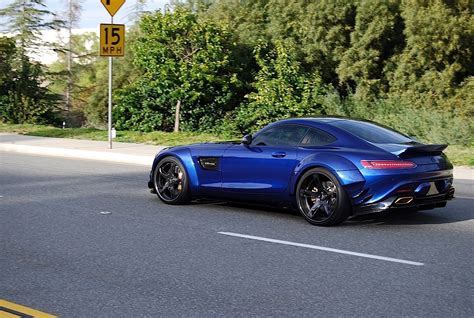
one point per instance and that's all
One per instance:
(397, 202)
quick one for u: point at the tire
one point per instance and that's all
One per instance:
(171, 181)
(321, 199)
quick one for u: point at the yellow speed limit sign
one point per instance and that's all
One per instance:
(112, 40)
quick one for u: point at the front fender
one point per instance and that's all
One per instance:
(343, 169)
(183, 154)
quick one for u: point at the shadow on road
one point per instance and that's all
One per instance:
(457, 211)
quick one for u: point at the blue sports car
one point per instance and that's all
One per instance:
(327, 168)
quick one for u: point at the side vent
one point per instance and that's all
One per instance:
(209, 163)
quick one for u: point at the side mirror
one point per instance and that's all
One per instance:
(247, 140)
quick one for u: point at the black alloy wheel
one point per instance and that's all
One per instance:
(171, 181)
(321, 199)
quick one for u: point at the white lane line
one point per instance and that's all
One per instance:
(322, 248)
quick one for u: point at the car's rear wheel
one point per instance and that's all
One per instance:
(171, 181)
(321, 199)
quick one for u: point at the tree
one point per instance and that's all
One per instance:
(26, 19)
(81, 76)
(438, 59)
(137, 10)
(125, 73)
(7, 55)
(326, 26)
(184, 60)
(7, 83)
(283, 90)
(319, 31)
(29, 100)
(73, 14)
(377, 36)
(23, 97)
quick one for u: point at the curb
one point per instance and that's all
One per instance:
(464, 173)
(79, 154)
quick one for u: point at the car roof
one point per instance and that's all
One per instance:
(324, 123)
(322, 119)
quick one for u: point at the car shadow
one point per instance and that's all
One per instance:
(457, 211)
(249, 206)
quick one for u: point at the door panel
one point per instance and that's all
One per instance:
(257, 169)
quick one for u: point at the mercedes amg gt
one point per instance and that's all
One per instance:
(327, 168)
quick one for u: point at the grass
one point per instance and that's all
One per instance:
(461, 155)
(154, 138)
(458, 154)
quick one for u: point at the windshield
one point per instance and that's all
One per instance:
(372, 132)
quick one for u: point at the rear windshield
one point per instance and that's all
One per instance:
(372, 132)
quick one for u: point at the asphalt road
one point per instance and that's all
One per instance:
(59, 254)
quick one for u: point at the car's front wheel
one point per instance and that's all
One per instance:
(171, 181)
(321, 199)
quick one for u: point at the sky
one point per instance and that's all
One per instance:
(93, 13)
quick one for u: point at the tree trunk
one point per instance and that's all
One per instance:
(69, 60)
(176, 116)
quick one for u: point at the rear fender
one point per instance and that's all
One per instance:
(343, 169)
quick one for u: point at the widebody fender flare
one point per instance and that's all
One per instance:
(343, 169)
(183, 154)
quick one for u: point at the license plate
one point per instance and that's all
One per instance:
(433, 190)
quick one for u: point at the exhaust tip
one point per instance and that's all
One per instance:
(404, 200)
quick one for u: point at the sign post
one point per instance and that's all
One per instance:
(112, 44)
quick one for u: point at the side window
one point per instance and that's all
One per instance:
(317, 137)
(288, 135)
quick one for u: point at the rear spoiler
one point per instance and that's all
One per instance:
(427, 150)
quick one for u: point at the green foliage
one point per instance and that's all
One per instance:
(7, 56)
(319, 30)
(377, 36)
(26, 19)
(432, 126)
(156, 138)
(248, 19)
(84, 55)
(236, 65)
(90, 76)
(438, 58)
(25, 97)
(182, 59)
(282, 90)
(408, 64)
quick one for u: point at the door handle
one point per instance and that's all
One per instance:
(279, 154)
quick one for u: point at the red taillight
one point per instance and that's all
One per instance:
(387, 164)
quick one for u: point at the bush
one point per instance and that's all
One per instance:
(185, 59)
(282, 90)
(428, 125)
